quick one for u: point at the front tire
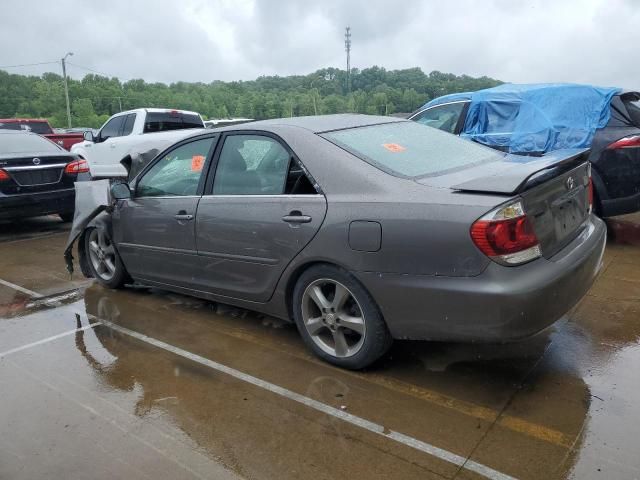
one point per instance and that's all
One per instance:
(103, 259)
(338, 319)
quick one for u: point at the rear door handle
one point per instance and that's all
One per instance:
(112, 145)
(296, 217)
(183, 216)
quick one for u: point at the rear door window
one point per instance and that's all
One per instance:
(411, 149)
(162, 121)
(128, 124)
(251, 165)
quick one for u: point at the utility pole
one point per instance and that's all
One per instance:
(66, 87)
(347, 48)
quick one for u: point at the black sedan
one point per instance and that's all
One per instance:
(36, 176)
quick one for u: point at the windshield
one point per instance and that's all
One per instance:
(25, 143)
(162, 121)
(410, 149)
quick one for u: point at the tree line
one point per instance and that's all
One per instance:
(95, 98)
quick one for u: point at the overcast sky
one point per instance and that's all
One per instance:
(593, 41)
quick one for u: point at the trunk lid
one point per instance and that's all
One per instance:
(554, 189)
(35, 172)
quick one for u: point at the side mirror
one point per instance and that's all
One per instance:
(88, 136)
(120, 191)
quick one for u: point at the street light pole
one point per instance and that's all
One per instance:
(66, 87)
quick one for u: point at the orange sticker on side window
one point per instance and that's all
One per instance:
(394, 147)
(197, 162)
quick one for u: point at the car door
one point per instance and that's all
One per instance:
(448, 116)
(155, 230)
(100, 154)
(260, 211)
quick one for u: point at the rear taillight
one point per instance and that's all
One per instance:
(79, 166)
(506, 235)
(626, 142)
(4, 176)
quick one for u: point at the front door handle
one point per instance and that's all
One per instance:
(112, 145)
(182, 216)
(296, 217)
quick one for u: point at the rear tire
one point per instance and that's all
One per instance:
(66, 217)
(103, 259)
(338, 319)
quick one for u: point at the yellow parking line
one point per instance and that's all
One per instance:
(519, 425)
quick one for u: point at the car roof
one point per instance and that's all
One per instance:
(155, 110)
(316, 123)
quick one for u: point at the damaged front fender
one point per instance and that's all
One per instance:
(93, 199)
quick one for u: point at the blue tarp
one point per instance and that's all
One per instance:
(534, 118)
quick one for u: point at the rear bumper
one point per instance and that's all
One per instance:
(501, 304)
(35, 204)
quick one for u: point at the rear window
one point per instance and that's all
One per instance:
(37, 127)
(410, 149)
(162, 121)
(25, 143)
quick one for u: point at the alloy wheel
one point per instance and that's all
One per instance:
(102, 254)
(333, 318)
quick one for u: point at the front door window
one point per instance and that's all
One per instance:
(178, 173)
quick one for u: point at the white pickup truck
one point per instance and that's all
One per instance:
(129, 132)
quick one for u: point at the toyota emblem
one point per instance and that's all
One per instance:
(36, 161)
(569, 183)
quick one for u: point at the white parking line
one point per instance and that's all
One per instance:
(48, 339)
(378, 429)
(31, 293)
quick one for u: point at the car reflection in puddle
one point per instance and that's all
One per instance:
(524, 390)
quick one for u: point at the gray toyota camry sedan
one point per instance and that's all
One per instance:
(361, 229)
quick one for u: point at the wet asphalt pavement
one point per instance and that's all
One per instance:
(142, 383)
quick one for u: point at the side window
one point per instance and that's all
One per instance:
(177, 173)
(128, 124)
(443, 117)
(112, 128)
(251, 165)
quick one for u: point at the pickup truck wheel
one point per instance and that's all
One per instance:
(104, 261)
(66, 217)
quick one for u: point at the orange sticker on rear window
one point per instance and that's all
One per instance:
(394, 147)
(197, 161)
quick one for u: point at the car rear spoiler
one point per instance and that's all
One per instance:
(518, 173)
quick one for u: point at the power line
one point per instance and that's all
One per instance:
(92, 70)
(27, 64)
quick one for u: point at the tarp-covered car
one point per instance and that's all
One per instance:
(540, 118)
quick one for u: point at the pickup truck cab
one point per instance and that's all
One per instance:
(42, 127)
(125, 132)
